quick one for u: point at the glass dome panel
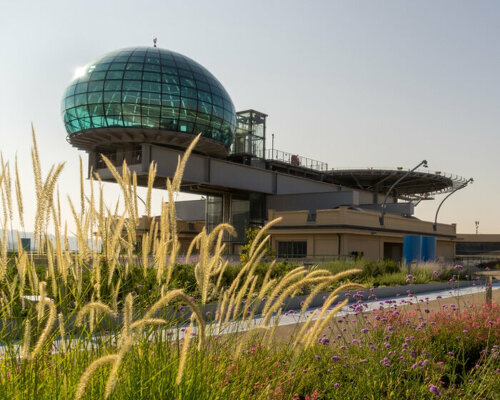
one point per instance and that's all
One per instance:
(149, 88)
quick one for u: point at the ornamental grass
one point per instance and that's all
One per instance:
(76, 325)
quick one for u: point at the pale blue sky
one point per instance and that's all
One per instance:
(351, 83)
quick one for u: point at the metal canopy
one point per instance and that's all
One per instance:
(418, 184)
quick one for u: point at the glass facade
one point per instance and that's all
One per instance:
(148, 87)
(250, 137)
(240, 218)
(214, 212)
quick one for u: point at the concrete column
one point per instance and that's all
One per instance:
(146, 157)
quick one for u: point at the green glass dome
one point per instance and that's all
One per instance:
(147, 94)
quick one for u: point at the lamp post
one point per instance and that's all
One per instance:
(470, 180)
(381, 218)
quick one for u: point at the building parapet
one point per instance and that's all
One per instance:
(346, 217)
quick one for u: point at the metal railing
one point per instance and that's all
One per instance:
(457, 179)
(296, 160)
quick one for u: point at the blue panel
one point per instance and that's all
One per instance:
(26, 244)
(428, 248)
(412, 248)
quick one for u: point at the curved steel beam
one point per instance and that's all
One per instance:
(381, 218)
(470, 180)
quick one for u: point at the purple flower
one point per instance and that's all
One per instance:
(458, 266)
(385, 361)
(364, 360)
(317, 356)
(324, 340)
(364, 330)
(335, 358)
(336, 384)
(434, 389)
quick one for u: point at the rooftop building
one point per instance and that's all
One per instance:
(147, 104)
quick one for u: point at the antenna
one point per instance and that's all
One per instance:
(154, 42)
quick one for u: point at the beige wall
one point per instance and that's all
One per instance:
(343, 215)
(326, 245)
(323, 240)
(445, 250)
(371, 247)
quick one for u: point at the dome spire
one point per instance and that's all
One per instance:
(154, 41)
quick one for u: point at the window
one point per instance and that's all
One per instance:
(293, 249)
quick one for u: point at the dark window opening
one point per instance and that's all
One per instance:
(292, 249)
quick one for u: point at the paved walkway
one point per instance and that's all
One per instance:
(289, 320)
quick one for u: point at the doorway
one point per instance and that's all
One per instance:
(393, 251)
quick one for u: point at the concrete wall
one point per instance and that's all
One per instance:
(326, 245)
(393, 208)
(190, 210)
(357, 231)
(224, 175)
(445, 250)
(370, 247)
(311, 201)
